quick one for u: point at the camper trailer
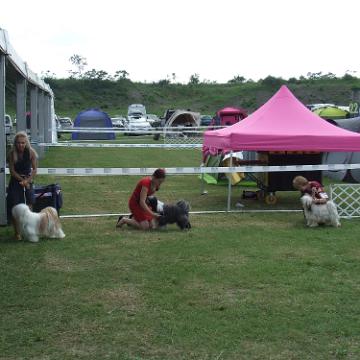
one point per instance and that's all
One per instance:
(228, 116)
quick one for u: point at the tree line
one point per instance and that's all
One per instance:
(79, 64)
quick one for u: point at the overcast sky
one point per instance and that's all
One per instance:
(217, 39)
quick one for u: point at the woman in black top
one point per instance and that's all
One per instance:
(23, 166)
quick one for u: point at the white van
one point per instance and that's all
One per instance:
(138, 109)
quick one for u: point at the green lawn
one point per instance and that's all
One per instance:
(236, 286)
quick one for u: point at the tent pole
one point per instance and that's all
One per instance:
(203, 191)
(229, 184)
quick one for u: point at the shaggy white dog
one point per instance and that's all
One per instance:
(33, 225)
(316, 214)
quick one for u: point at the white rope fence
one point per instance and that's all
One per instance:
(124, 129)
(175, 135)
(107, 145)
(204, 212)
(190, 170)
(143, 131)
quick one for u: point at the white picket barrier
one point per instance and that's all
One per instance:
(347, 199)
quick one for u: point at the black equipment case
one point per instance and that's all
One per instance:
(47, 195)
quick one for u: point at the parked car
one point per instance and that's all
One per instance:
(137, 125)
(65, 122)
(205, 120)
(136, 109)
(153, 119)
(8, 124)
(118, 121)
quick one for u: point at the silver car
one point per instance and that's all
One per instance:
(137, 125)
(118, 121)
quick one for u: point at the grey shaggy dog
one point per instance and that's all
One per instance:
(177, 213)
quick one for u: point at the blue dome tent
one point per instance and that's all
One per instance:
(93, 118)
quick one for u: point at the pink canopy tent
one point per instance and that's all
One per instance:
(283, 123)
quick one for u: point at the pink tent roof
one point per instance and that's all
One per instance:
(283, 123)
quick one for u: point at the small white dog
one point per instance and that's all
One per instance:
(33, 225)
(316, 214)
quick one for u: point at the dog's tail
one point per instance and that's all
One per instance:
(306, 201)
(50, 223)
(334, 216)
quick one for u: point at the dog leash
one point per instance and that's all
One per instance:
(25, 196)
(24, 189)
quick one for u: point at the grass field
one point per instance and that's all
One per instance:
(237, 286)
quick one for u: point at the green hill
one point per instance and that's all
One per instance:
(113, 97)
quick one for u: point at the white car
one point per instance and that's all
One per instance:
(118, 121)
(8, 124)
(153, 119)
(65, 122)
(137, 125)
